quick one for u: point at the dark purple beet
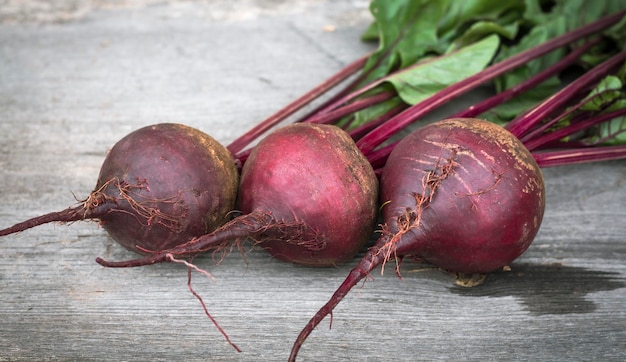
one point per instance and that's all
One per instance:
(308, 196)
(462, 194)
(158, 187)
(476, 201)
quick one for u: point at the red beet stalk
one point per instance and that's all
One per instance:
(376, 137)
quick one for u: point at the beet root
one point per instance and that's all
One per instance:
(158, 187)
(462, 194)
(478, 201)
(325, 183)
(308, 196)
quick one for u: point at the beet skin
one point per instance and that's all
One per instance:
(159, 187)
(307, 195)
(462, 194)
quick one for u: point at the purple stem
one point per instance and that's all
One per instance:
(348, 97)
(569, 157)
(538, 131)
(379, 156)
(352, 90)
(528, 84)
(363, 129)
(337, 114)
(522, 124)
(537, 142)
(373, 139)
(245, 139)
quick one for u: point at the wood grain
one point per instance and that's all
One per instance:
(70, 89)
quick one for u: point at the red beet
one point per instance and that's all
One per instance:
(158, 187)
(326, 185)
(462, 194)
(308, 196)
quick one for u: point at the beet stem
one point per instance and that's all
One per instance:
(345, 101)
(521, 125)
(535, 143)
(241, 142)
(341, 100)
(363, 129)
(379, 156)
(576, 156)
(370, 141)
(337, 114)
(355, 88)
(526, 85)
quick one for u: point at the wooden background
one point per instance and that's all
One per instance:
(77, 76)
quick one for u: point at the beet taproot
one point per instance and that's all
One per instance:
(158, 187)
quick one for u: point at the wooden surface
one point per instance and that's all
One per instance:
(76, 79)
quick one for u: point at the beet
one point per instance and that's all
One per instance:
(478, 202)
(462, 194)
(158, 187)
(326, 184)
(308, 196)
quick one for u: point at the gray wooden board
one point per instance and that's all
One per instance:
(75, 81)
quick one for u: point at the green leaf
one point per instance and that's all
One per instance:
(407, 30)
(373, 112)
(482, 29)
(462, 15)
(507, 111)
(563, 16)
(606, 92)
(578, 12)
(608, 96)
(613, 132)
(427, 78)
(427, 36)
(536, 36)
(371, 33)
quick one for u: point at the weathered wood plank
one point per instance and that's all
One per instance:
(69, 90)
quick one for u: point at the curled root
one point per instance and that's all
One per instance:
(146, 215)
(389, 252)
(220, 252)
(206, 310)
(189, 265)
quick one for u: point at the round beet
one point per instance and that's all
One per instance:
(308, 196)
(462, 194)
(315, 177)
(158, 187)
(474, 199)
